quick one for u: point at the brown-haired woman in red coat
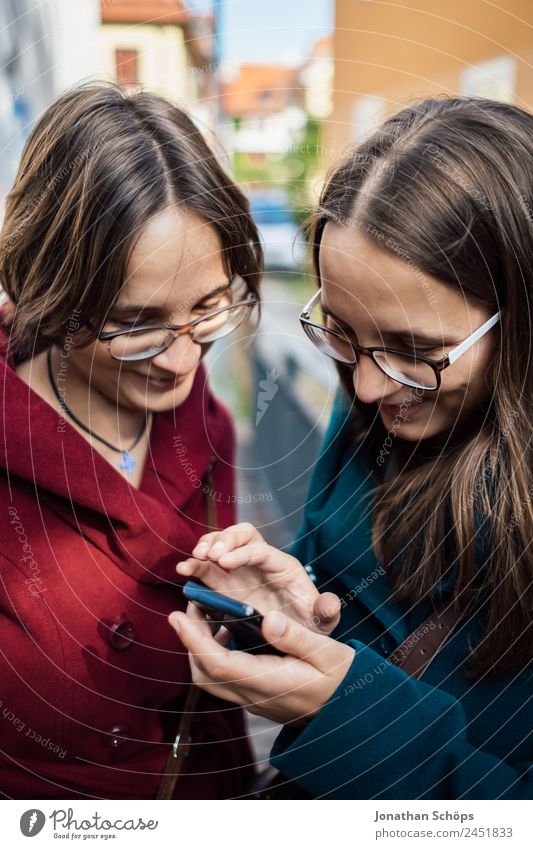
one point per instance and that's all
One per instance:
(125, 252)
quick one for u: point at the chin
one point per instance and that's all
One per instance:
(409, 431)
(418, 432)
(162, 400)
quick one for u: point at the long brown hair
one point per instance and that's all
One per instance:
(446, 185)
(97, 165)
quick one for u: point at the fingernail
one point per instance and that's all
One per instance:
(201, 546)
(277, 623)
(217, 548)
(175, 622)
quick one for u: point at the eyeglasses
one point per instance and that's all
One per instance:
(149, 340)
(408, 369)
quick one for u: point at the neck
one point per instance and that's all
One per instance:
(117, 424)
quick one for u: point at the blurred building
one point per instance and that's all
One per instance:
(315, 78)
(162, 46)
(386, 56)
(271, 104)
(41, 54)
(266, 106)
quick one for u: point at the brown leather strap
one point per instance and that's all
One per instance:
(180, 747)
(182, 743)
(421, 647)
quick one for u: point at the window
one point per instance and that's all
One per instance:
(127, 66)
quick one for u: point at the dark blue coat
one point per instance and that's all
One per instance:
(383, 734)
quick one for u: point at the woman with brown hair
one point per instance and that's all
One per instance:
(419, 520)
(125, 252)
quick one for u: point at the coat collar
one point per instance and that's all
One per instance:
(146, 530)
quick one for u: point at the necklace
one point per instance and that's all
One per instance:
(127, 461)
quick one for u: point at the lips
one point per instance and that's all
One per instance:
(401, 410)
(160, 382)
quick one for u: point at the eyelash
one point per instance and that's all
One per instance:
(418, 352)
(203, 307)
(208, 307)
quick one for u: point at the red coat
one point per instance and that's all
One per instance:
(91, 674)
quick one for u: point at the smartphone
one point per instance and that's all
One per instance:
(243, 620)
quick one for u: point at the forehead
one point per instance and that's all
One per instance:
(360, 277)
(176, 254)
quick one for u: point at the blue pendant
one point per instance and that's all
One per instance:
(128, 462)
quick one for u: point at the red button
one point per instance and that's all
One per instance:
(115, 736)
(121, 635)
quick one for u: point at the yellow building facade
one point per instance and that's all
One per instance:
(155, 53)
(387, 54)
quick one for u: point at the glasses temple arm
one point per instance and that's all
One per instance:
(464, 346)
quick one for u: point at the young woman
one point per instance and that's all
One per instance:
(420, 506)
(125, 252)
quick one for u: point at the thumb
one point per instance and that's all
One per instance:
(326, 613)
(298, 641)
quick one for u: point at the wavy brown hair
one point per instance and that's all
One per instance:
(97, 166)
(448, 186)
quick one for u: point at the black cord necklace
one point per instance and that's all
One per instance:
(128, 462)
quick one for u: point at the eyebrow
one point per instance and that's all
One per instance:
(125, 309)
(409, 335)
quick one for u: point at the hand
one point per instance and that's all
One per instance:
(238, 562)
(289, 690)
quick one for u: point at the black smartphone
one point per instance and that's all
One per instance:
(243, 620)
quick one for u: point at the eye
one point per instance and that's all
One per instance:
(334, 325)
(414, 352)
(223, 299)
(208, 307)
(427, 353)
(132, 323)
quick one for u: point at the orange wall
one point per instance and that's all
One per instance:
(399, 54)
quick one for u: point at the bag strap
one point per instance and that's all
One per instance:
(182, 742)
(180, 747)
(421, 647)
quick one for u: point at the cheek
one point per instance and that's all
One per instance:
(99, 369)
(464, 385)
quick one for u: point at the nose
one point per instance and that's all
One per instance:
(181, 356)
(371, 384)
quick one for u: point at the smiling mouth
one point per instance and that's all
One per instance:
(402, 409)
(161, 381)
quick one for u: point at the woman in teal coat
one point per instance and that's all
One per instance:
(421, 501)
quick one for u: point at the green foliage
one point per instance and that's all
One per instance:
(294, 170)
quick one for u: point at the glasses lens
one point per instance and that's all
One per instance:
(142, 344)
(216, 326)
(407, 370)
(138, 345)
(335, 345)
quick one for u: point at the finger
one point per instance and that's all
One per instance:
(296, 640)
(233, 537)
(223, 636)
(205, 570)
(326, 612)
(204, 543)
(215, 662)
(199, 617)
(253, 554)
(222, 691)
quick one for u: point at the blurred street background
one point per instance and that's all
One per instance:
(282, 89)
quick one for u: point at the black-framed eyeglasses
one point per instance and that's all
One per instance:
(412, 370)
(148, 340)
